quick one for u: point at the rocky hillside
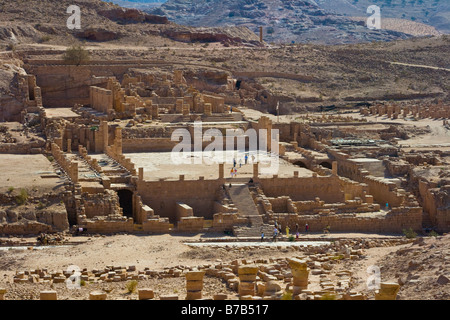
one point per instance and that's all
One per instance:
(31, 21)
(435, 13)
(139, 4)
(422, 269)
(283, 20)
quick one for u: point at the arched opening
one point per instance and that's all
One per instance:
(126, 202)
(238, 84)
(300, 164)
(326, 164)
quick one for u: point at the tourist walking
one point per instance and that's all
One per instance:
(275, 234)
(306, 227)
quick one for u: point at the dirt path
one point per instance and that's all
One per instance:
(418, 66)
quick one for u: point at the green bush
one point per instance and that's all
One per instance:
(76, 55)
(22, 198)
(433, 234)
(45, 38)
(287, 295)
(409, 233)
(131, 286)
(328, 296)
(40, 205)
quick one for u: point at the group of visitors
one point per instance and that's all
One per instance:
(277, 231)
(233, 171)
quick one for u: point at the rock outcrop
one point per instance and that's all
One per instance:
(282, 21)
(127, 16)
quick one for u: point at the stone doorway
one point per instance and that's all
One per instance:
(301, 164)
(326, 164)
(126, 202)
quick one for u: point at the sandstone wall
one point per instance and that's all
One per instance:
(65, 85)
(148, 145)
(394, 222)
(101, 99)
(301, 189)
(163, 196)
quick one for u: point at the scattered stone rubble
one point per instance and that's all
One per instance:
(259, 279)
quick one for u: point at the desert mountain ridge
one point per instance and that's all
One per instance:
(46, 22)
(298, 21)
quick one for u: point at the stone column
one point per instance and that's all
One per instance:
(388, 291)
(221, 170)
(300, 273)
(179, 106)
(208, 109)
(104, 128)
(194, 284)
(48, 295)
(389, 111)
(74, 172)
(334, 169)
(247, 276)
(97, 295)
(178, 77)
(186, 110)
(146, 294)
(69, 145)
(2, 293)
(118, 141)
(141, 174)
(155, 111)
(255, 171)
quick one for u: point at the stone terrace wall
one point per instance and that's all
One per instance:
(394, 222)
(71, 168)
(383, 191)
(301, 189)
(162, 196)
(148, 145)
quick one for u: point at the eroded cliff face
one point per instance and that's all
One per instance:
(12, 98)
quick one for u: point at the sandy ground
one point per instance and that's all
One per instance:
(156, 252)
(60, 113)
(32, 172)
(159, 165)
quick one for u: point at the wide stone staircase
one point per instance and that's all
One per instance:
(116, 173)
(243, 201)
(85, 171)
